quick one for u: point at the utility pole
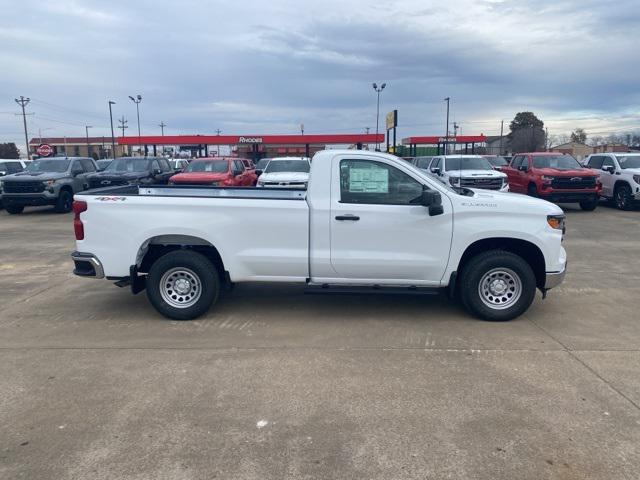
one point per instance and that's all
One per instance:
(501, 136)
(218, 131)
(162, 125)
(446, 135)
(86, 130)
(113, 137)
(366, 129)
(455, 129)
(123, 124)
(302, 128)
(378, 90)
(546, 139)
(23, 103)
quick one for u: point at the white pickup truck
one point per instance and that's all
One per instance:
(368, 221)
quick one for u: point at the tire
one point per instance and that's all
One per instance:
(14, 209)
(532, 191)
(64, 202)
(200, 291)
(514, 280)
(622, 197)
(589, 205)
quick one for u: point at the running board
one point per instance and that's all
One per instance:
(369, 290)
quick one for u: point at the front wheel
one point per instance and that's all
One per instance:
(64, 202)
(622, 197)
(182, 285)
(589, 205)
(14, 209)
(497, 286)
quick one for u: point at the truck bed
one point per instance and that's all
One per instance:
(200, 191)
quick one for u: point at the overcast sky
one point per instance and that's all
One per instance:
(266, 66)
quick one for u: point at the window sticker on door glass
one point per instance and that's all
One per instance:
(369, 180)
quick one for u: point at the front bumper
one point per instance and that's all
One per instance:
(87, 265)
(29, 199)
(569, 196)
(553, 279)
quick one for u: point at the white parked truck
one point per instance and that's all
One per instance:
(368, 221)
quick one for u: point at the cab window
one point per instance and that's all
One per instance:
(370, 182)
(596, 161)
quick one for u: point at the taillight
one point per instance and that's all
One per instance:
(78, 207)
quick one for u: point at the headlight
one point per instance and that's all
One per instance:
(49, 182)
(547, 179)
(636, 178)
(556, 222)
(454, 181)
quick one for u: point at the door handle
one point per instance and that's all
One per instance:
(353, 218)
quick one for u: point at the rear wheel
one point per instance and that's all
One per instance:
(182, 285)
(622, 197)
(64, 202)
(14, 209)
(589, 205)
(497, 286)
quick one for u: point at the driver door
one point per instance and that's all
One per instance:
(379, 233)
(79, 177)
(608, 179)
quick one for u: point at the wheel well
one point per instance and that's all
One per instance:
(528, 251)
(619, 183)
(66, 188)
(156, 247)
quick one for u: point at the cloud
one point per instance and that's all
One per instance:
(267, 66)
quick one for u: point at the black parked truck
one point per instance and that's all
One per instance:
(133, 171)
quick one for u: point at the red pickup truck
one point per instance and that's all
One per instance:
(554, 177)
(218, 171)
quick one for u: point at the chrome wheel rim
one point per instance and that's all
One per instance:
(500, 288)
(180, 287)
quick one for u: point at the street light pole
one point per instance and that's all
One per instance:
(378, 90)
(162, 125)
(86, 130)
(23, 103)
(137, 101)
(113, 137)
(446, 145)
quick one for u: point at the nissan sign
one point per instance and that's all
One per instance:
(250, 140)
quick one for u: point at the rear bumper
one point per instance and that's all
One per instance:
(87, 265)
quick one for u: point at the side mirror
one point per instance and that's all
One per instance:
(523, 168)
(2, 173)
(609, 168)
(75, 173)
(157, 171)
(258, 172)
(436, 170)
(433, 200)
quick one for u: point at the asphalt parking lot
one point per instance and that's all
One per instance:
(275, 384)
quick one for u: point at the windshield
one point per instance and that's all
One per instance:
(287, 166)
(559, 162)
(262, 163)
(216, 166)
(497, 161)
(467, 163)
(57, 166)
(128, 165)
(629, 161)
